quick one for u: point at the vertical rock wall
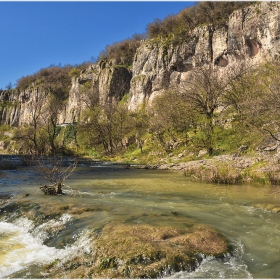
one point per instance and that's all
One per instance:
(251, 34)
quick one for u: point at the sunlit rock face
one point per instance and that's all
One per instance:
(16, 107)
(251, 34)
(107, 82)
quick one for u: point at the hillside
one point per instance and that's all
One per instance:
(197, 92)
(250, 34)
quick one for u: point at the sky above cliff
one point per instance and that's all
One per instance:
(35, 35)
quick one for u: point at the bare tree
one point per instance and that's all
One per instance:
(31, 135)
(53, 107)
(208, 89)
(140, 122)
(53, 170)
(89, 94)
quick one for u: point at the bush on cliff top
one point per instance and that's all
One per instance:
(214, 13)
(54, 79)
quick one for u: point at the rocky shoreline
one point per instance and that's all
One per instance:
(260, 163)
(145, 251)
(121, 249)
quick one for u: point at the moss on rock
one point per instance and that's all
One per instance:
(145, 251)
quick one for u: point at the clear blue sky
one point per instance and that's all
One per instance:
(35, 35)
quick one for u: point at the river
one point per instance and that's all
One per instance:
(137, 196)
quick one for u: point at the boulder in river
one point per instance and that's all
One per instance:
(145, 251)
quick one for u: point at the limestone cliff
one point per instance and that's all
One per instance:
(252, 33)
(107, 81)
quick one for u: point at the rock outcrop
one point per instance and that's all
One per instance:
(107, 82)
(252, 34)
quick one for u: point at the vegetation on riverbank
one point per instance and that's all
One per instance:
(210, 116)
(200, 114)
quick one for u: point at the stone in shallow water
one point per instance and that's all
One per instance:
(275, 208)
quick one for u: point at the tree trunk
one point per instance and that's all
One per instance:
(58, 188)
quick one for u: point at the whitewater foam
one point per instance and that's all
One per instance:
(21, 247)
(231, 266)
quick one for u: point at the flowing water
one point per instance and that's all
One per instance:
(113, 193)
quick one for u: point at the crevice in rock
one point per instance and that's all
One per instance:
(253, 46)
(148, 88)
(221, 61)
(211, 30)
(244, 14)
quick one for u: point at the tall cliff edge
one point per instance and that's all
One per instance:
(252, 34)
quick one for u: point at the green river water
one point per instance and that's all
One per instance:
(140, 196)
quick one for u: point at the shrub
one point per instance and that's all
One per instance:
(123, 52)
(54, 79)
(273, 175)
(223, 173)
(202, 13)
(74, 72)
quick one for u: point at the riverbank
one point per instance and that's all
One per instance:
(261, 168)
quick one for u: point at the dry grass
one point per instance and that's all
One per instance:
(223, 173)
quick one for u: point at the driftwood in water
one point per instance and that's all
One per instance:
(51, 190)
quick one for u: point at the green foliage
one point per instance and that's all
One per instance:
(125, 99)
(70, 133)
(260, 98)
(228, 140)
(172, 116)
(75, 72)
(7, 104)
(104, 128)
(4, 128)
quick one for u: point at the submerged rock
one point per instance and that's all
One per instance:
(275, 208)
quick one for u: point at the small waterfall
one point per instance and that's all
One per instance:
(22, 245)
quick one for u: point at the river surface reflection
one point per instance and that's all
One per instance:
(141, 196)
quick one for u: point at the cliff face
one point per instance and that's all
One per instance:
(106, 82)
(251, 34)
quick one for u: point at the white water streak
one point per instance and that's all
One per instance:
(20, 247)
(232, 266)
